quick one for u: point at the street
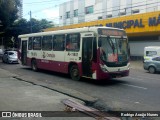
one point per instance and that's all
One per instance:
(138, 92)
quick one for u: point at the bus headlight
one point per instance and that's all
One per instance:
(129, 65)
(103, 68)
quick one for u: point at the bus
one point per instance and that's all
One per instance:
(91, 52)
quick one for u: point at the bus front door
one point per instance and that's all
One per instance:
(24, 53)
(87, 56)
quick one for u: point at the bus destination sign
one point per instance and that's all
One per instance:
(110, 32)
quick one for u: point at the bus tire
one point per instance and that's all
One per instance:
(152, 69)
(74, 72)
(34, 65)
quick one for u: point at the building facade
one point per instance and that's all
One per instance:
(140, 19)
(77, 11)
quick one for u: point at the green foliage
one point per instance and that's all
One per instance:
(39, 25)
(23, 26)
(8, 12)
(11, 27)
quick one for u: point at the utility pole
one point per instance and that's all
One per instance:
(30, 20)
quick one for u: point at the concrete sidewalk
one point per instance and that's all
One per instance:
(17, 95)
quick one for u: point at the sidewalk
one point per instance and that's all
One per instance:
(136, 65)
(17, 95)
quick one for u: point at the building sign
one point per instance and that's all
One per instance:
(133, 24)
(127, 24)
(137, 23)
(154, 21)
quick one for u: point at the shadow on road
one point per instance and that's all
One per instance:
(110, 82)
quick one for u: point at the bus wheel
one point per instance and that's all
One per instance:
(34, 65)
(74, 72)
(152, 69)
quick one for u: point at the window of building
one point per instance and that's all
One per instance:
(100, 17)
(67, 14)
(47, 43)
(37, 43)
(109, 16)
(73, 42)
(58, 42)
(122, 13)
(135, 11)
(76, 13)
(30, 44)
(89, 10)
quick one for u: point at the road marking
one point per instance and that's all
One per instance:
(134, 86)
(135, 78)
(142, 77)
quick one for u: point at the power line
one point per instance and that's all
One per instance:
(96, 12)
(41, 2)
(112, 10)
(51, 7)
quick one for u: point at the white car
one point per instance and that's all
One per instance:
(10, 57)
(1, 52)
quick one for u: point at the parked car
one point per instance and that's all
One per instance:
(1, 52)
(10, 57)
(152, 65)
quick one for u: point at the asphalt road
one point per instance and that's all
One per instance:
(138, 92)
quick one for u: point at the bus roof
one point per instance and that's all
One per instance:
(84, 29)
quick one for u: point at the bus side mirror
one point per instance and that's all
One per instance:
(99, 43)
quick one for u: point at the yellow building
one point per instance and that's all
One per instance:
(142, 29)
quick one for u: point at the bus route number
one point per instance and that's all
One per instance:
(72, 54)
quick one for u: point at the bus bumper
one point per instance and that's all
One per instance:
(106, 75)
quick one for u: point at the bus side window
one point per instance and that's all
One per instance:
(30, 44)
(58, 42)
(37, 43)
(47, 43)
(73, 42)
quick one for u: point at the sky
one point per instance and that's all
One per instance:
(42, 9)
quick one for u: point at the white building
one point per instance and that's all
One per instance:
(77, 11)
(140, 19)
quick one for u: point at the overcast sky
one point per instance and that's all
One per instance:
(47, 9)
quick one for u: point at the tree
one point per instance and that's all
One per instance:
(23, 26)
(8, 12)
(39, 25)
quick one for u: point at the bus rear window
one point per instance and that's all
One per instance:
(151, 53)
(19, 43)
(30, 45)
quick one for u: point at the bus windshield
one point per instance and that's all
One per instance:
(113, 50)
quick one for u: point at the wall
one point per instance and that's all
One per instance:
(137, 47)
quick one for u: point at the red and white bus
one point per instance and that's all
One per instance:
(91, 52)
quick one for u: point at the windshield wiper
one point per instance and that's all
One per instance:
(111, 43)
